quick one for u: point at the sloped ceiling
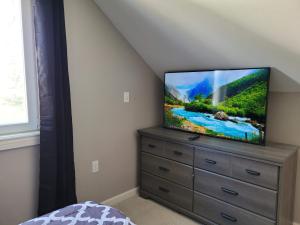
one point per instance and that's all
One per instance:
(204, 34)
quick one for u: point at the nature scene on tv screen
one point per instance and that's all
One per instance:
(223, 103)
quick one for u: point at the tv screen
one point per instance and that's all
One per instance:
(230, 104)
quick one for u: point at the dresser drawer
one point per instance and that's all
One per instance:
(255, 172)
(212, 161)
(168, 191)
(168, 169)
(153, 146)
(254, 198)
(179, 152)
(225, 214)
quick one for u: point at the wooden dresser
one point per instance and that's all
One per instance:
(217, 181)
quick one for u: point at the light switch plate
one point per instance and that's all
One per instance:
(95, 166)
(126, 97)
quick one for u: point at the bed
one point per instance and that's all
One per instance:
(86, 213)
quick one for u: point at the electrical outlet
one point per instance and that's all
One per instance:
(95, 166)
(126, 97)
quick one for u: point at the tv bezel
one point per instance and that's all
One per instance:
(209, 135)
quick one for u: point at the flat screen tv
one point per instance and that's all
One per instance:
(229, 104)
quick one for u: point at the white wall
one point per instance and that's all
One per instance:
(18, 184)
(102, 65)
(207, 34)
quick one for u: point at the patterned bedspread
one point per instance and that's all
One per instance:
(87, 213)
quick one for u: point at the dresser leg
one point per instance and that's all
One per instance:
(144, 195)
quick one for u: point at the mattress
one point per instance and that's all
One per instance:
(86, 213)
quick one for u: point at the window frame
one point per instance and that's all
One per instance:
(30, 74)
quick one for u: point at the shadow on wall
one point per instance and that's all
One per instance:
(185, 35)
(232, 46)
(281, 81)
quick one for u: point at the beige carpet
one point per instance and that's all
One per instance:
(147, 212)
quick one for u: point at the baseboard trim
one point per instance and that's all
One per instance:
(121, 197)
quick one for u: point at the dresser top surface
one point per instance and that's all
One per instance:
(272, 152)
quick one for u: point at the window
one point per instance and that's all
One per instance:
(18, 83)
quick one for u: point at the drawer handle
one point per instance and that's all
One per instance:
(209, 161)
(228, 191)
(252, 172)
(151, 146)
(163, 169)
(165, 190)
(227, 217)
(177, 153)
